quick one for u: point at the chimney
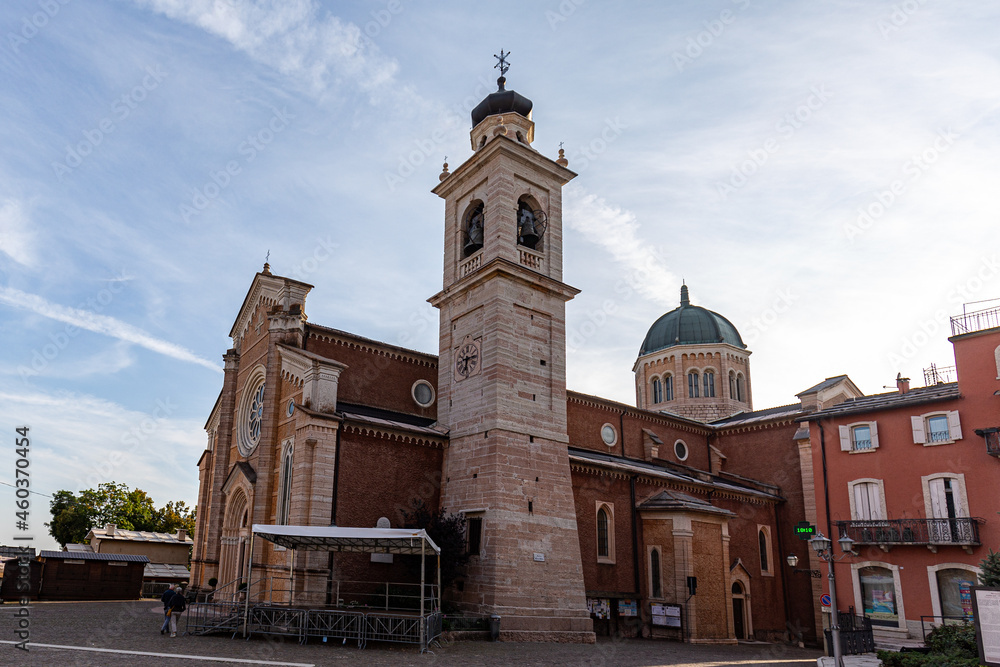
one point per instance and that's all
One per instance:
(110, 529)
(902, 383)
(182, 534)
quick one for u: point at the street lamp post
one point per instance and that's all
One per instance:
(823, 546)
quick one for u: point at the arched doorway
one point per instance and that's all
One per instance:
(740, 625)
(235, 538)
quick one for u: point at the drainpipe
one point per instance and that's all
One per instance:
(621, 430)
(826, 481)
(333, 513)
(780, 565)
(635, 541)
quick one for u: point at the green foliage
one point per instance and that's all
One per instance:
(448, 532)
(953, 637)
(990, 566)
(950, 646)
(73, 516)
(953, 659)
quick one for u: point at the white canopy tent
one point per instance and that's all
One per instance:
(353, 540)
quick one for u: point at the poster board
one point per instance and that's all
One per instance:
(986, 613)
(627, 608)
(599, 607)
(666, 615)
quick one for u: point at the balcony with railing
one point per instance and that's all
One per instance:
(992, 438)
(932, 533)
(978, 320)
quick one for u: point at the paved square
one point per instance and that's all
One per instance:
(126, 634)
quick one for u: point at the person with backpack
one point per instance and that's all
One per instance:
(178, 604)
(165, 599)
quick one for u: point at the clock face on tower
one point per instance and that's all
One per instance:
(468, 359)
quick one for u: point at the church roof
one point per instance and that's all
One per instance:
(690, 325)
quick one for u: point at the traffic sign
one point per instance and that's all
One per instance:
(825, 600)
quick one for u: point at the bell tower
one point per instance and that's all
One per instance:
(502, 377)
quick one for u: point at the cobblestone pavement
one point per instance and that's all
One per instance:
(134, 627)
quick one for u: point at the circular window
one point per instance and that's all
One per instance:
(251, 414)
(609, 435)
(681, 450)
(423, 393)
(291, 406)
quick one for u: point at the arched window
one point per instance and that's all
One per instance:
(668, 387)
(709, 384)
(602, 533)
(655, 585)
(285, 486)
(530, 224)
(657, 391)
(764, 544)
(472, 228)
(740, 388)
(732, 384)
(605, 532)
(693, 384)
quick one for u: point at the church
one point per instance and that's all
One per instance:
(668, 518)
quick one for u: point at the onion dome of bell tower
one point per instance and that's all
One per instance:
(500, 102)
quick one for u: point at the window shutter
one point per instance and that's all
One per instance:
(845, 439)
(874, 428)
(919, 435)
(939, 506)
(954, 426)
(874, 501)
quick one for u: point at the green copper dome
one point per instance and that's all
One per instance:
(690, 325)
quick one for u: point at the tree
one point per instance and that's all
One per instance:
(448, 532)
(73, 516)
(990, 566)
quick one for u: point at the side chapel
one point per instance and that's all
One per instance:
(583, 514)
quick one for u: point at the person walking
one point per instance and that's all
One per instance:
(165, 599)
(178, 604)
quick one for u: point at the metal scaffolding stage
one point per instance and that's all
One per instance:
(346, 623)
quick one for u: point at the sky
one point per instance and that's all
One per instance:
(823, 174)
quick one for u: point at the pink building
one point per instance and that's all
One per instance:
(911, 476)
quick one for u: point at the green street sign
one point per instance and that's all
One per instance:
(805, 530)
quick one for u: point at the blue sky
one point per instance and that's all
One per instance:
(822, 174)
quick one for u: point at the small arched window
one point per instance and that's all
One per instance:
(656, 587)
(530, 224)
(740, 388)
(657, 391)
(668, 387)
(709, 384)
(285, 486)
(602, 533)
(732, 384)
(764, 544)
(472, 228)
(693, 384)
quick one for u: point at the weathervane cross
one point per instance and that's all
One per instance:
(502, 62)
(267, 257)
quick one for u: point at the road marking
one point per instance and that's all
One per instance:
(210, 658)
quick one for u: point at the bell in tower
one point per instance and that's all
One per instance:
(530, 225)
(474, 231)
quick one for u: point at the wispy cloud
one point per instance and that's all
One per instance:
(102, 324)
(16, 239)
(293, 37)
(617, 230)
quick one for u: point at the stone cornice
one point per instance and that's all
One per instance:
(393, 434)
(704, 489)
(507, 268)
(510, 147)
(373, 346)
